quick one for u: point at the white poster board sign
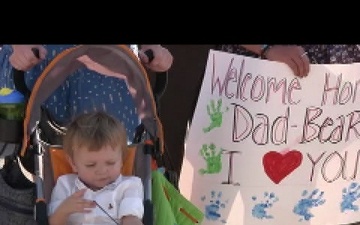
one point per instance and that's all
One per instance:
(266, 147)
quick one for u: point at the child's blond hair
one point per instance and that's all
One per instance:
(94, 131)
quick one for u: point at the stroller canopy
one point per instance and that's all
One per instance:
(110, 60)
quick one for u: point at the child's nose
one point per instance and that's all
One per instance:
(101, 170)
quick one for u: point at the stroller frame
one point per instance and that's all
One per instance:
(32, 136)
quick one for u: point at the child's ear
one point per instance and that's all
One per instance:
(71, 162)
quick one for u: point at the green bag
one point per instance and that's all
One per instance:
(170, 207)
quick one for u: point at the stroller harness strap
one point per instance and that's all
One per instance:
(110, 60)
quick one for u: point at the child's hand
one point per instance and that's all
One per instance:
(76, 204)
(131, 220)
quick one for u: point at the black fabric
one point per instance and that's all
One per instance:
(11, 130)
(16, 205)
(12, 174)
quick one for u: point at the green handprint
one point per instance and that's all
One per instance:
(212, 158)
(215, 115)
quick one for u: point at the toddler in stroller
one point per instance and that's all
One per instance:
(42, 147)
(94, 144)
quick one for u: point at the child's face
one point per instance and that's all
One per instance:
(97, 168)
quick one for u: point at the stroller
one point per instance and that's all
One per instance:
(40, 150)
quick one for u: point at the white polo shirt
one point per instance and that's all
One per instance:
(120, 198)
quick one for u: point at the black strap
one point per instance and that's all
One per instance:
(19, 81)
(19, 78)
(161, 79)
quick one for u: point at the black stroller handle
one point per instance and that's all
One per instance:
(19, 79)
(161, 78)
(20, 85)
(41, 212)
(150, 54)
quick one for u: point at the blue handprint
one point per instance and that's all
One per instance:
(212, 210)
(349, 196)
(302, 208)
(259, 210)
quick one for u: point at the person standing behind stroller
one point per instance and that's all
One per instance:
(95, 144)
(84, 90)
(299, 57)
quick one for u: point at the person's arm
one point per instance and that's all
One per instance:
(162, 61)
(292, 55)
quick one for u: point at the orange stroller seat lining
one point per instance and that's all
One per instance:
(60, 164)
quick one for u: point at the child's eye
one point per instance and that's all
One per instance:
(111, 163)
(90, 165)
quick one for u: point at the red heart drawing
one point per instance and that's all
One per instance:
(278, 165)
